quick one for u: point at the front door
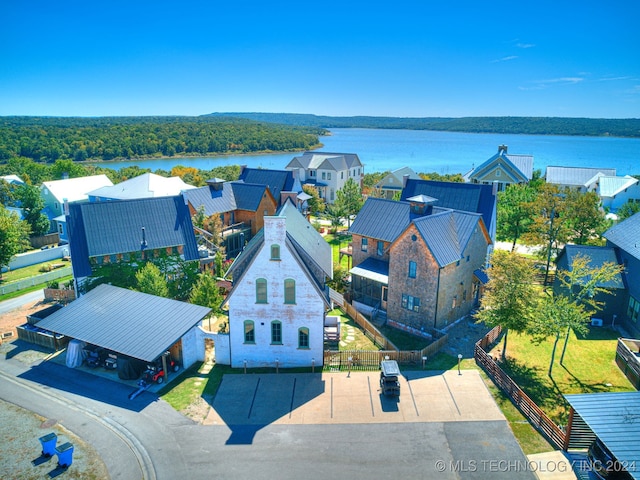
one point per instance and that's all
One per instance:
(383, 300)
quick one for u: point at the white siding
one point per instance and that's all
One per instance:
(190, 348)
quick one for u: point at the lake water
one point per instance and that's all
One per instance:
(442, 152)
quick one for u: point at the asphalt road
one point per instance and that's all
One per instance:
(17, 302)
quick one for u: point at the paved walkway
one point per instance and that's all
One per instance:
(340, 398)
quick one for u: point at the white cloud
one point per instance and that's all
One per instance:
(505, 59)
(525, 45)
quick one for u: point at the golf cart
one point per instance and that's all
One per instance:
(155, 370)
(389, 377)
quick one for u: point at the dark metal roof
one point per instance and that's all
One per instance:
(108, 228)
(276, 180)
(382, 219)
(248, 195)
(213, 200)
(626, 235)
(481, 275)
(598, 256)
(468, 197)
(373, 269)
(131, 323)
(614, 417)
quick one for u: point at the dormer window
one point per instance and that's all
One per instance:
(275, 252)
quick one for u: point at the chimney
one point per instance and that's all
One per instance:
(65, 175)
(216, 183)
(143, 243)
(65, 206)
(405, 177)
(502, 149)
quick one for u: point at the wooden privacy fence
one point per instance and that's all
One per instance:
(369, 329)
(529, 409)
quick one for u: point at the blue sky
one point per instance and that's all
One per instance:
(401, 58)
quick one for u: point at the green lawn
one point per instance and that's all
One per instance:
(28, 272)
(589, 366)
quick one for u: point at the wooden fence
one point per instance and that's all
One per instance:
(369, 329)
(521, 400)
(59, 295)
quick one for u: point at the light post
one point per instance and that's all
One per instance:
(459, 360)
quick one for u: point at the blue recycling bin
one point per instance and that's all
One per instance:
(48, 443)
(65, 454)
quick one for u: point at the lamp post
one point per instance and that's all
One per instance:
(459, 360)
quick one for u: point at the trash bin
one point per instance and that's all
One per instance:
(65, 454)
(48, 443)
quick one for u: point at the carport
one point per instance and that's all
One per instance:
(131, 324)
(613, 417)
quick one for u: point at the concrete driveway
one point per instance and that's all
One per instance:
(355, 398)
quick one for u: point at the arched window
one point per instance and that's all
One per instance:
(276, 332)
(261, 290)
(303, 337)
(249, 332)
(275, 252)
(290, 291)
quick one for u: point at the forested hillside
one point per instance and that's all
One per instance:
(105, 138)
(514, 125)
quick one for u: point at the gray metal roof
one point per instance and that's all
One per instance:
(519, 167)
(335, 161)
(614, 417)
(578, 176)
(611, 186)
(131, 323)
(213, 200)
(382, 219)
(626, 235)
(373, 269)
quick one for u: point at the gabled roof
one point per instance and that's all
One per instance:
(382, 219)
(232, 196)
(518, 167)
(610, 186)
(575, 176)
(325, 160)
(109, 228)
(277, 180)
(598, 256)
(468, 197)
(626, 235)
(613, 418)
(393, 180)
(12, 179)
(75, 189)
(143, 186)
(124, 321)
(447, 234)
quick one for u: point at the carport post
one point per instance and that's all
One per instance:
(164, 367)
(313, 365)
(277, 365)
(245, 367)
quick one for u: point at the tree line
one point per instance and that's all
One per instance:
(599, 127)
(47, 139)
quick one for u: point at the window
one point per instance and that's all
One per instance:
(276, 332)
(410, 303)
(341, 175)
(261, 290)
(498, 173)
(328, 175)
(60, 229)
(413, 266)
(380, 248)
(324, 175)
(365, 244)
(275, 252)
(290, 291)
(312, 173)
(633, 310)
(303, 337)
(333, 195)
(249, 332)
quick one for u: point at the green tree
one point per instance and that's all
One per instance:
(516, 211)
(316, 204)
(206, 293)
(14, 236)
(510, 297)
(349, 199)
(32, 205)
(149, 279)
(69, 168)
(7, 196)
(335, 214)
(628, 209)
(585, 220)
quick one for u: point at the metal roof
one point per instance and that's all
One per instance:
(213, 200)
(373, 269)
(248, 195)
(468, 197)
(131, 323)
(382, 219)
(597, 257)
(519, 167)
(610, 186)
(315, 160)
(143, 186)
(578, 176)
(276, 180)
(626, 235)
(614, 417)
(109, 228)
(75, 189)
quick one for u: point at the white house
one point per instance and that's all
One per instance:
(616, 191)
(582, 179)
(146, 185)
(278, 301)
(327, 172)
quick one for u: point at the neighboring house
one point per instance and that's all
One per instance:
(613, 306)
(625, 238)
(468, 197)
(327, 172)
(616, 191)
(12, 180)
(56, 192)
(416, 262)
(279, 299)
(503, 170)
(393, 182)
(241, 207)
(128, 230)
(281, 183)
(582, 179)
(148, 185)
